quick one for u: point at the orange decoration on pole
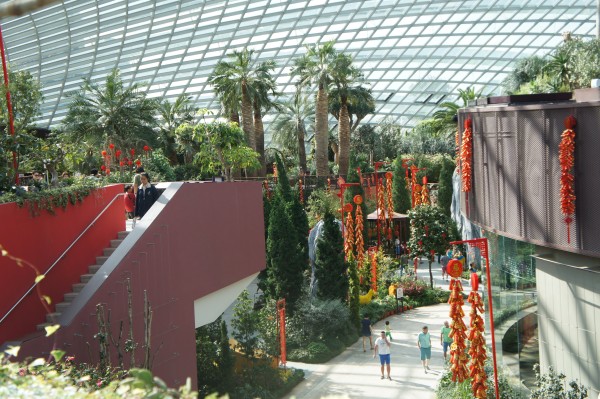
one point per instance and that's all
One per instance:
(349, 234)
(477, 350)
(566, 157)
(281, 322)
(380, 208)
(390, 203)
(359, 243)
(466, 155)
(458, 356)
(373, 253)
(301, 191)
(418, 198)
(267, 189)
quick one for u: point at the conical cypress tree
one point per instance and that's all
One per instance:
(402, 202)
(444, 197)
(283, 183)
(262, 276)
(330, 267)
(286, 264)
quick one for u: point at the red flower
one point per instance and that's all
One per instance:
(111, 146)
(138, 162)
(118, 153)
(103, 153)
(146, 148)
(121, 163)
(99, 383)
(129, 162)
(103, 167)
(132, 151)
(107, 172)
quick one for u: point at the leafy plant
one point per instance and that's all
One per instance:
(552, 385)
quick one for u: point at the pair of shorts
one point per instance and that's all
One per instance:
(384, 359)
(425, 353)
(446, 345)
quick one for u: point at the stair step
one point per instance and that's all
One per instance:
(78, 287)
(93, 269)
(122, 234)
(70, 296)
(85, 278)
(62, 306)
(115, 243)
(108, 251)
(101, 259)
(41, 327)
(52, 317)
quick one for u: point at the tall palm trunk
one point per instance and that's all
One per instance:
(234, 116)
(259, 137)
(301, 131)
(321, 131)
(247, 124)
(344, 137)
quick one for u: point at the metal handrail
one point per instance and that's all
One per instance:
(61, 256)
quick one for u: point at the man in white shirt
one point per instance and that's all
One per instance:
(383, 349)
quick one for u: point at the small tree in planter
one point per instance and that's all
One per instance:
(431, 232)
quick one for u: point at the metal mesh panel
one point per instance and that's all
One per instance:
(509, 186)
(531, 131)
(479, 163)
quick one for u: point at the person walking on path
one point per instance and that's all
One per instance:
(366, 331)
(388, 330)
(424, 344)
(383, 349)
(445, 339)
(445, 259)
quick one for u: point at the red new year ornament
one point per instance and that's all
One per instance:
(466, 155)
(454, 268)
(358, 199)
(566, 157)
(111, 146)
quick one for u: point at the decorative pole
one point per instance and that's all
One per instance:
(301, 191)
(281, 319)
(359, 243)
(11, 122)
(343, 185)
(390, 203)
(377, 165)
(424, 192)
(349, 236)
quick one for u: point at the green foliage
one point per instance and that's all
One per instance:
(444, 197)
(245, 326)
(525, 70)
(377, 143)
(553, 386)
(330, 267)
(354, 293)
(262, 381)
(431, 230)
(187, 172)
(62, 380)
(400, 191)
(286, 262)
(51, 198)
(319, 203)
(426, 138)
(214, 360)
(221, 148)
(111, 113)
(158, 167)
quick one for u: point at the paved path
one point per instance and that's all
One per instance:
(355, 374)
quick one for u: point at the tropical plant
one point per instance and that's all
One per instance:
(221, 147)
(431, 232)
(448, 115)
(111, 113)
(444, 197)
(320, 202)
(525, 70)
(316, 67)
(172, 115)
(263, 86)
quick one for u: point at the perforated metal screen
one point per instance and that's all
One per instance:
(516, 173)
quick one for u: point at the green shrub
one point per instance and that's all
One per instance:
(187, 172)
(315, 320)
(553, 386)
(159, 168)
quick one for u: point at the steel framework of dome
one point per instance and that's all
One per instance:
(415, 54)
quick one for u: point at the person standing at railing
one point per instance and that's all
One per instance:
(146, 196)
(129, 201)
(137, 180)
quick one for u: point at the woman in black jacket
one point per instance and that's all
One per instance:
(145, 197)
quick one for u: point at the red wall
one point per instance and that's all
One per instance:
(208, 236)
(40, 240)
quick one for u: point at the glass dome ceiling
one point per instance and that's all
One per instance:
(414, 53)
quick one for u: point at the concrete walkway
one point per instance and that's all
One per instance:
(356, 374)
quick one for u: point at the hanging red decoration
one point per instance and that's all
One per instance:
(466, 155)
(390, 203)
(146, 148)
(477, 350)
(454, 268)
(349, 236)
(103, 167)
(458, 355)
(130, 162)
(107, 172)
(111, 146)
(132, 152)
(359, 243)
(118, 154)
(104, 153)
(301, 191)
(566, 157)
(374, 270)
(381, 207)
(138, 162)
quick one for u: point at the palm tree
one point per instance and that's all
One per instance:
(232, 80)
(173, 115)
(343, 75)
(111, 113)
(290, 126)
(263, 85)
(316, 67)
(448, 115)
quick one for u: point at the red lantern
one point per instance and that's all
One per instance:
(347, 207)
(111, 146)
(146, 148)
(103, 153)
(129, 162)
(388, 175)
(358, 199)
(138, 162)
(103, 167)
(118, 153)
(132, 152)
(107, 172)
(454, 268)
(121, 163)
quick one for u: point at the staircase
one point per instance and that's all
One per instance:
(52, 318)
